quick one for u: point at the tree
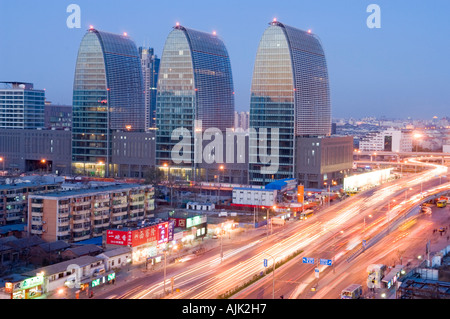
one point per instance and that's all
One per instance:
(153, 176)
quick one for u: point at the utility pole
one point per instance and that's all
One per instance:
(165, 265)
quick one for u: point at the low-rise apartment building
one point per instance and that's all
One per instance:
(81, 214)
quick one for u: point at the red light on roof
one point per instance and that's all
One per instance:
(125, 34)
(91, 27)
(274, 19)
(214, 33)
(309, 31)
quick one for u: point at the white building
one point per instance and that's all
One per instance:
(446, 148)
(116, 258)
(390, 140)
(254, 197)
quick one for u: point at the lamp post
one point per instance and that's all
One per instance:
(388, 215)
(168, 182)
(44, 161)
(165, 265)
(3, 162)
(417, 136)
(221, 168)
(273, 274)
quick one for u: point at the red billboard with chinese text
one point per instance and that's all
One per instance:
(118, 237)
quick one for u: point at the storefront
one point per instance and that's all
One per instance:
(29, 288)
(145, 242)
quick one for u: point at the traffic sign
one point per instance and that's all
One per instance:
(316, 272)
(308, 260)
(265, 262)
(364, 243)
(326, 262)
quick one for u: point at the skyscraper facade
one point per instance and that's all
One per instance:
(290, 91)
(21, 106)
(195, 84)
(150, 67)
(108, 94)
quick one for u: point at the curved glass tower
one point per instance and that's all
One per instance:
(108, 95)
(195, 84)
(290, 92)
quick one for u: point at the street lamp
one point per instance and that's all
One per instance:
(3, 161)
(168, 177)
(417, 136)
(273, 274)
(221, 168)
(388, 215)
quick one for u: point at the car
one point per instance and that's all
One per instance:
(186, 258)
(214, 237)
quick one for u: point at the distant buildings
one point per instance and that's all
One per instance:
(195, 92)
(150, 68)
(108, 95)
(21, 106)
(241, 121)
(390, 140)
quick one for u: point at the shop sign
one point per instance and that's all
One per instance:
(28, 283)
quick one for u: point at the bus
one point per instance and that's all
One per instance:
(306, 214)
(353, 291)
(441, 203)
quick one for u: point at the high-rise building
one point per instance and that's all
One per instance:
(241, 121)
(289, 91)
(58, 117)
(150, 67)
(108, 95)
(21, 106)
(195, 84)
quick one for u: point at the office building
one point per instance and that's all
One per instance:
(21, 106)
(150, 67)
(57, 117)
(35, 150)
(390, 140)
(323, 162)
(80, 214)
(289, 91)
(195, 92)
(108, 95)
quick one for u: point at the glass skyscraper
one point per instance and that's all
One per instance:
(290, 91)
(108, 94)
(195, 84)
(150, 67)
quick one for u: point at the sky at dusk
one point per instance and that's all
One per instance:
(401, 69)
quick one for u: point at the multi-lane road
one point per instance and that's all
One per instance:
(335, 233)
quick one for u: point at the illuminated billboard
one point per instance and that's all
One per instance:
(157, 234)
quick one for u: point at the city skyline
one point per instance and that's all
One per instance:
(373, 72)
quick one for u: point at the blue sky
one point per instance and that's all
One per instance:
(399, 70)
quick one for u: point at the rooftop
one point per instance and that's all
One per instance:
(92, 190)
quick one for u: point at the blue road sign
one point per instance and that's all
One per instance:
(308, 260)
(364, 243)
(265, 262)
(326, 262)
